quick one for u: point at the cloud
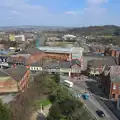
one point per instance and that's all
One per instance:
(75, 13)
(26, 13)
(70, 13)
(21, 12)
(96, 2)
(15, 12)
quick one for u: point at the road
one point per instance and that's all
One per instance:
(7, 98)
(92, 104)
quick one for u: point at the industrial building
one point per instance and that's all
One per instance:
(72, 53)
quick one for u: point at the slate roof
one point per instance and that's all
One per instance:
(69, 64)
(52, 65)
(17, 73)
(115, 73)
(30, 51)
(20, 59)
(3, 73)
(61, 64)
(99, 62)
(37, 64)
(65, 64)
(75, 61)
(96, 47)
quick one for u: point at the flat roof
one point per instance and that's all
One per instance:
(55, 49)
(58, 49)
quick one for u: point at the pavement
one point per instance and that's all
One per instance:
(92, 103)
(6, 98)
(40, 114)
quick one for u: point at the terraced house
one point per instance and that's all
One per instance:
(14, 80)
(110, 82)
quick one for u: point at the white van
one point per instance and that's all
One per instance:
(68, 83)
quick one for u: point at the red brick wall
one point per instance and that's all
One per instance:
(36, 57)
(113, 52)
(58, 56)
(25, 80)
(115, 91)
(8, 86)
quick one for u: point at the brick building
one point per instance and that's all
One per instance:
(14, 80)
(110, 82)
(96, 66)
(26, 57)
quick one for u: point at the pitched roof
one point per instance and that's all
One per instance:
(65, 64)
(17, 73)
(75, 61)
(3, 73)
(52, 65)
(99, 62)
(21, 59)
(37, 64)
(30, 51)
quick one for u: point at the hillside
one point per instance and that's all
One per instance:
(106, 30)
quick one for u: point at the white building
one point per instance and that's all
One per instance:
(70, 37)
(20, 37)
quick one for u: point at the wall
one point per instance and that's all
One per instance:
(115, 89)
(35, 58)
(65, 70)
(118, 104)
(25, 80)
(8, 85)
(58, 56)
(105, 84)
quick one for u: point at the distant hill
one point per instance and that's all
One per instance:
(30, 27)
(96, 30)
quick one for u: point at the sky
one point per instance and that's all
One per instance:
(72, 13)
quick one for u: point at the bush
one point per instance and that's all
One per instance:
(4, 111)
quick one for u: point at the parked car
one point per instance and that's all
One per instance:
(85, 96)
(100, 113)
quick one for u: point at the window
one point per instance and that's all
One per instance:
(39, 68)
(114, 87)
(113, 95)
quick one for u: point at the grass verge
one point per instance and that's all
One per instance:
(44, 103)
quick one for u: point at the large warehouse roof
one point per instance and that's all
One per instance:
(55, 49)
(60, 49)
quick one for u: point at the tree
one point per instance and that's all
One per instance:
(4, 111)
(56, 78)
(65, 103)
(54, 112)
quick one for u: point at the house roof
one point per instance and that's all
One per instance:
(37, 64)
(52, 65)
(21, 59)
(99, 62)
(68, 64)
(30, 51)
(61, 64)
(115, 73)
(93, 48)
(3, 73)
(75, 61)
(17, 73)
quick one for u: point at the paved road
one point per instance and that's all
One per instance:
(7, 98)
(92, 104)
(41, 117)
